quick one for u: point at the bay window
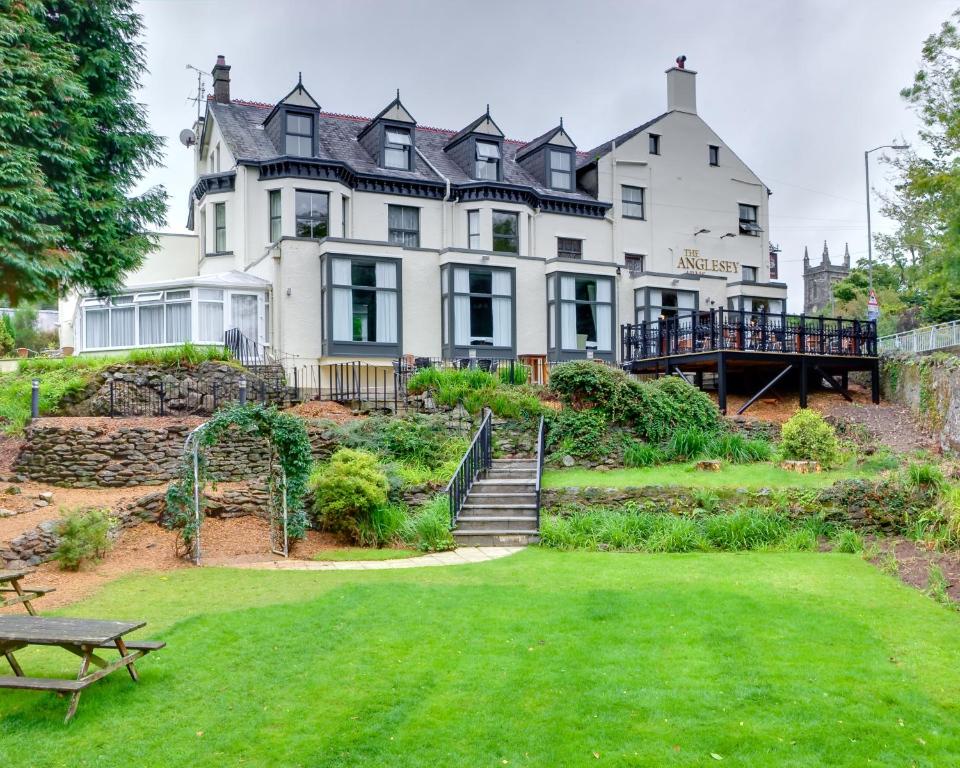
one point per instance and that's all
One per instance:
(582, 311)
(220, 227)
(210, 314)
(506, 232)
(313, 210)
(145, 319)
(473, 230)
(479, 301)
(364, 301)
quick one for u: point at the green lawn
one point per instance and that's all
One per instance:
(365, 553)
(540, 659)
(750, 476)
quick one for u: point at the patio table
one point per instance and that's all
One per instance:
(82, 637)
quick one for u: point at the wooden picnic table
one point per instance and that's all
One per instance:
(82, 637)
(20, 595)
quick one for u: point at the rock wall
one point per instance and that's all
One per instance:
(929, 385)
(39, 544)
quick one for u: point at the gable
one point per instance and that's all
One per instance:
(398, 113)
(299, 97)
(488, 127)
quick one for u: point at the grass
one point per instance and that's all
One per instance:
(365, 553)
(540, 659)
(749, 476)
(62, 377)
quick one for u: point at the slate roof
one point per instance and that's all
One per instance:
(588, 157)
(241, 125)
(542, 139)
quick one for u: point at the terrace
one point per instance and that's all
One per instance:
(745, 345)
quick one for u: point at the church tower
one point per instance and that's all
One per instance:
(818, 281)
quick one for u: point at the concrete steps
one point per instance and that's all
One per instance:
(501, 508)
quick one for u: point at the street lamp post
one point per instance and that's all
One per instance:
(866, 166)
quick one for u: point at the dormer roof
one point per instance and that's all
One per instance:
(484, 125)
(556, 137)
(299, 97)
(394, 112)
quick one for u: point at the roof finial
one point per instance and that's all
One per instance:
(300, 80)
(561, 122)
(488, 110)
(826, 253)
(398, 94)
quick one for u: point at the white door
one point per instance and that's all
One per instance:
(243, 314)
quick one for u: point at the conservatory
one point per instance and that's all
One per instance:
(197, 310)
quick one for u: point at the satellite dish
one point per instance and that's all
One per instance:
(187, 137)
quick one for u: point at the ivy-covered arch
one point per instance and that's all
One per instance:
(289, 469)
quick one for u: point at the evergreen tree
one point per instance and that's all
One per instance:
(73, 142)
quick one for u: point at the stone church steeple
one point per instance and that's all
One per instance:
(818, 281)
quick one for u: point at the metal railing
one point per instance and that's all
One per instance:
(541, 451)
(926, 339)
(479, 457)
(726, 329)
(246, 351)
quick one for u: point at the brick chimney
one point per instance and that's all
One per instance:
(681, 88)
(221, 81)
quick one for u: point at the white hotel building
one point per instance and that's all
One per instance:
(327, 237)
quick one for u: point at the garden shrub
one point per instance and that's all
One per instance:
(735, 448)
(84, 536)
(642, 455)
(587, 384)
(383, 526)
(428, 528)
(745, 529)
(347, 491)
(806, 436)
(515, 374)
(848, 541)
(925, 476)
(578, 433)
(475, 389)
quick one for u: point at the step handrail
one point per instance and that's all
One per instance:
(541, 451)
(478, 457)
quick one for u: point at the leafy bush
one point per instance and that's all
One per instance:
(347, 492)
(688, 444)
(642, 455)
(578, 433)
(587, 384)
(428, 528)
(807, 437)
(476, 389)
(84, 535)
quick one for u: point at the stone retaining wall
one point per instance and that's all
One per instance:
(929, 385)
(39, 544)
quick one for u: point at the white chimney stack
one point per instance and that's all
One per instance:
(682, 88)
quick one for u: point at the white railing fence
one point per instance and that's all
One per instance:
(926, 339)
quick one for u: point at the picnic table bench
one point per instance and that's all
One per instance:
(82, 637)
(18, 592)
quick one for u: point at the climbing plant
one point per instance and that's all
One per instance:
(290, 447)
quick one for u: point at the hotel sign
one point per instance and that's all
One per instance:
(692, 261)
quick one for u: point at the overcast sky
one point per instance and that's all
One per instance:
(797, 88)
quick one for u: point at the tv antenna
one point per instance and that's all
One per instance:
(201, 96)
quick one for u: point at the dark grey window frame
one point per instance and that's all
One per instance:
(516, 217)
(713, 155)
(447, 293)
(743, 273)
(406, 148)
(486, 161)
(297, 218)
(358, 348)
(735, 303)
(401, 230)
(749, 226)
(642, 203)
(220, 227)
(643, 310)
(475, 215)
(287, 113)
(653, 144)
(571, 173)
(643, 263)
(272, 218)
(555, 350)
(561, 251)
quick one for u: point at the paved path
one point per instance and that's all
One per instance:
(459, 556)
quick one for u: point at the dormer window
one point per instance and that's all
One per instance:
(488, 161)
(561, 174)
(299, 135)
(397, 149)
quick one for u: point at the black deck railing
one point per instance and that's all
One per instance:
(479, 456)
(727, 329)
